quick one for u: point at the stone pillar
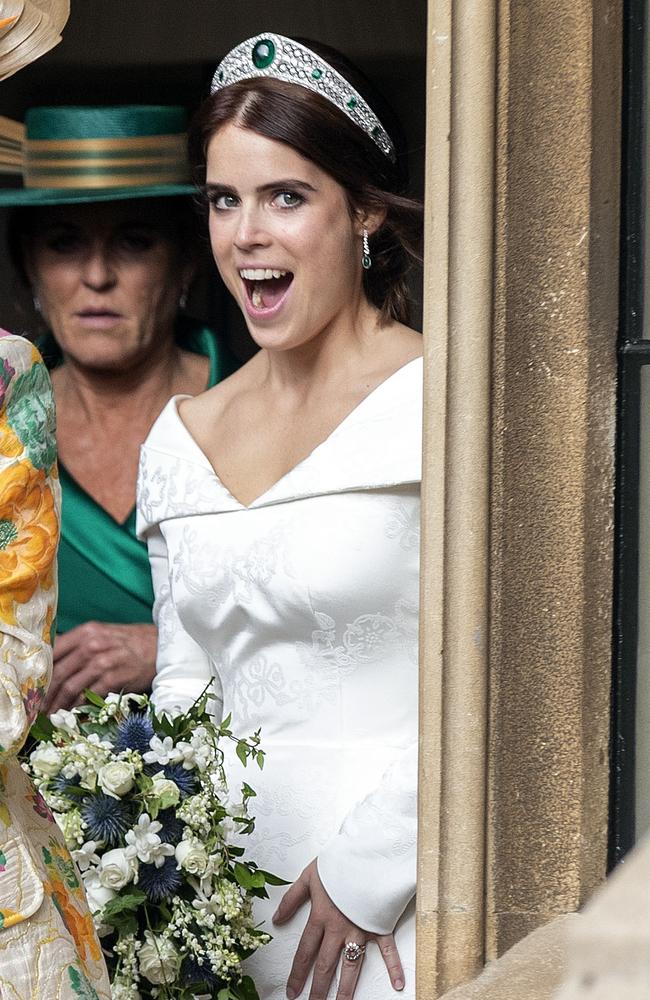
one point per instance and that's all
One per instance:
(553, 421)
(521, 275)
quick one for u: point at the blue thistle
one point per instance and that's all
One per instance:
(193, 971)
(184, 779)
(134, 733)
(172, 827)
(107, 818)
(61, 785)
(160, 883)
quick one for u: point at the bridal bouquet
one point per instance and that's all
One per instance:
(143, 804)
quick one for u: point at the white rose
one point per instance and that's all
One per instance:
(165, 788)
(46, 760)
(116, 869)
(65, 720)
(116, 778)
(192, 856)
(96, 893)
(158, 960)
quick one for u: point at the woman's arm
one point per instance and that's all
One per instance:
(29, 534)
(369, 868)
(358, 886)
(183, 668)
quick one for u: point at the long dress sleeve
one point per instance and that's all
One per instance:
(183, 668)
(369, 869)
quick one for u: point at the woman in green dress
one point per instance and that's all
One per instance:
(104, 238)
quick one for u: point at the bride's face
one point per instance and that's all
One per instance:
(283, 237)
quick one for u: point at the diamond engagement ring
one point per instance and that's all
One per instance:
(353, 951)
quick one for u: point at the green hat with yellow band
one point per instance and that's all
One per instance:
(68, 155)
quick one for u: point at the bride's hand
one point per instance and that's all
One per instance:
(325, 935)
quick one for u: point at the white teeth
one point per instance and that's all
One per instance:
(260, 273)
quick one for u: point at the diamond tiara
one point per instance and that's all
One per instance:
(281, 58)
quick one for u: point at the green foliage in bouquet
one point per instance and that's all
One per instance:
(144, 806)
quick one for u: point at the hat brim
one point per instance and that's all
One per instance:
(76, 196)
(35, 29)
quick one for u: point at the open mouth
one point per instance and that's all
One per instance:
(266, 288)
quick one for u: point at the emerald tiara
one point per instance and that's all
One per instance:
(281, 58)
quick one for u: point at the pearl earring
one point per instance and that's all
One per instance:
(37, 303)
(182, 302)
(366, 260)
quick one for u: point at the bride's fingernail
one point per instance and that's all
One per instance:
(399, 984)
(275, 916)
(291, 994)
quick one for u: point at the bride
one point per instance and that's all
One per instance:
(281, 510)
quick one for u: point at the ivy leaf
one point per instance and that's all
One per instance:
(242, 752)
(124, 923)
(271, 879)
(259, 757)
(93, 698)
(42, 728)
(246, 989)
(121, 904)
(247, 791)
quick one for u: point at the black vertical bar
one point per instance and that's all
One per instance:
(632, 173)
(633, 356)
(626, 602)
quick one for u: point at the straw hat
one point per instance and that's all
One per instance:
(29, 29)
(67, 155)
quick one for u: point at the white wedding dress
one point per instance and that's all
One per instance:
(304, 607)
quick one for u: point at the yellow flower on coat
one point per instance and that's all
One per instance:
(47, 634)
(29, 532)
(10, 444)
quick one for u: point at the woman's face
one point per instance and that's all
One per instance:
(108, 276)
(283, 237)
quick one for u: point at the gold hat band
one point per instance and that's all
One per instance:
(101, 163)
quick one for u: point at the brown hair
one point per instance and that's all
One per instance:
(320, 132)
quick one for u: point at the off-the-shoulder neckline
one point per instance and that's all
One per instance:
(356, 410)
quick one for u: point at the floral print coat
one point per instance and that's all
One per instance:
(48, 946)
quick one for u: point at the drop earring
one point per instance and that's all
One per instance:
(366, 260)
(37, 303)
(182, 301)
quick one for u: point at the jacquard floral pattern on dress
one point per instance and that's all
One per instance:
(404, 525)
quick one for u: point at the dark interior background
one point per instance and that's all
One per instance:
(164, 52)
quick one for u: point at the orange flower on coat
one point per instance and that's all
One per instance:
(29, 532)
(80, 925)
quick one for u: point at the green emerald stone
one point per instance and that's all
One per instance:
(220, 76)
(366, 262)
(352, 103)
(8, 533)
(263, 53)
(317, 73)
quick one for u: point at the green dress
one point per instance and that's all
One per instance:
(104, 570)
